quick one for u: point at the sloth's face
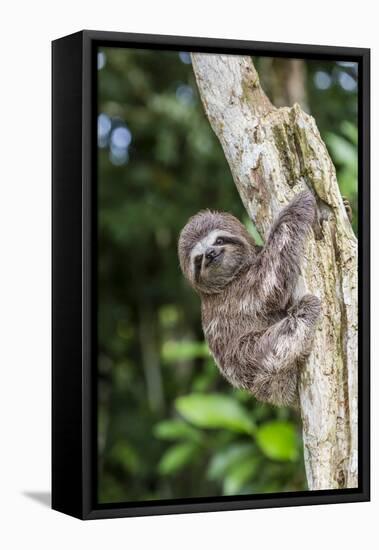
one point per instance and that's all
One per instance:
(216, 259)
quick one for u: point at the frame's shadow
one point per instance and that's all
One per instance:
(42, 497)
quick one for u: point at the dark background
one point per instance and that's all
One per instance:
(169, 425)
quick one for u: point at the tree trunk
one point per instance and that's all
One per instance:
(273, 154)
(150, 358)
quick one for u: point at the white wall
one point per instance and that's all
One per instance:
(27, 29)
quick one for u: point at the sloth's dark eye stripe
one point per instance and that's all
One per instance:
(230, 240)
(198, 260)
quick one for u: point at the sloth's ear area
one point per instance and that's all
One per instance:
(258, 248)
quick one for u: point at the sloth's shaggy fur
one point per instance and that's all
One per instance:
(258, 334)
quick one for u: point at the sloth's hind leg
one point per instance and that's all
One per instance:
(281, 349)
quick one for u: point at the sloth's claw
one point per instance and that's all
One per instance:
(348, 209)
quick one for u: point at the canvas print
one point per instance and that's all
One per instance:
(227, 277)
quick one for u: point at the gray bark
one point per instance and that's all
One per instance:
(273, 154)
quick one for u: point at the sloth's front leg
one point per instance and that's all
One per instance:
(277, 266)
(280, 351)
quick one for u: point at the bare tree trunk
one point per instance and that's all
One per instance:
(273, 154)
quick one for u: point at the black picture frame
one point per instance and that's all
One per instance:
(74, 295)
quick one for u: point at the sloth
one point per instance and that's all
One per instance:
(257, 331)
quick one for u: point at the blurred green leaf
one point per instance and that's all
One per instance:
(215, 411)
(343, 152)
(169, 315)
(253, 231)
(227, 457)
(278, 440)
(176, 429)
(239, 475)
(183, 351)
(176, 457)
(350, 131)
(348, 184)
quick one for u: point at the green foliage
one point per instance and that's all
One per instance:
(176, 457)
(334, 105)
(124, 456)
(278, 440)
(168, 424)
(237, 480)
(240, 447)
(235, 467)
(176, 429)
(229, 459)
(215, 411)
(344, 151)
(184, 350)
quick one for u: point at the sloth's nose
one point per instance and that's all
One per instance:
(210, 254)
